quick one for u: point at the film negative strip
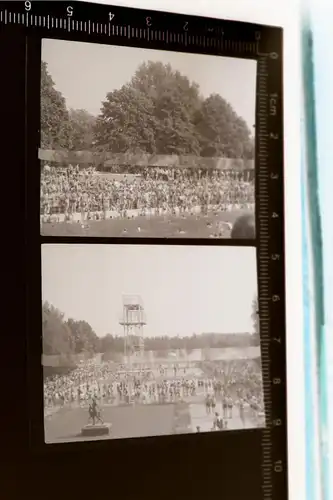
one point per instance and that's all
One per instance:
(156, 120)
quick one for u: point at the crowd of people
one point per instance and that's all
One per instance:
(60, 390)
(235, 384)
(73, 190)
(116, 386)
(228, 386)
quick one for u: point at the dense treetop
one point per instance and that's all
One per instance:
(159, 111)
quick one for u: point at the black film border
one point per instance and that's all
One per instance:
(163, 31)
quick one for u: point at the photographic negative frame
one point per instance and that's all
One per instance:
(161, 155)
(216, 226)
(184, 352)
(30, 24)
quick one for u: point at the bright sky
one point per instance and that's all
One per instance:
(185, 289)
(85, 72)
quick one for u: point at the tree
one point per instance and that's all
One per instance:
(55, 126)
(176, 101)
(221, 131)
(82, 126)
(83, 337)
(249, 148)
(255, 320)
(126, 123)
(56, 334)
(110, 343)
(153, 113)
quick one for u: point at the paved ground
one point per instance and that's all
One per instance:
(187, 226)
(127, 421)
(144, 420)
(200, 418)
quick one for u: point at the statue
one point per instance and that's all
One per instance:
(94, 412)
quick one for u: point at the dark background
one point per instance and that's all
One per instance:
(201, 466)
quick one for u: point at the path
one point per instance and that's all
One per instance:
(127, 421)
(200, 418)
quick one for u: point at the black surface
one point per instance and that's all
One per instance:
(189, 466)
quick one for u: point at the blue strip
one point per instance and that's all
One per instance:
(311, 169)
(308, 358)
(314, 242)
(324, 415)
(323, 72)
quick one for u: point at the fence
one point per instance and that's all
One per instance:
(110, 161)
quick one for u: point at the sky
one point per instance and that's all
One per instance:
(85, 72)
(184, 289)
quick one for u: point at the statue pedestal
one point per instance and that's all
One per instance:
(96, 430)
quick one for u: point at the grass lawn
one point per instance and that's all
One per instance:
(169, 226)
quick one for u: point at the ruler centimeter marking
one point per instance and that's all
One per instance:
(263, 273)
(98, 28)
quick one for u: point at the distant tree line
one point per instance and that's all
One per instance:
(196, 341)
(71, 337)
(159, 111)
